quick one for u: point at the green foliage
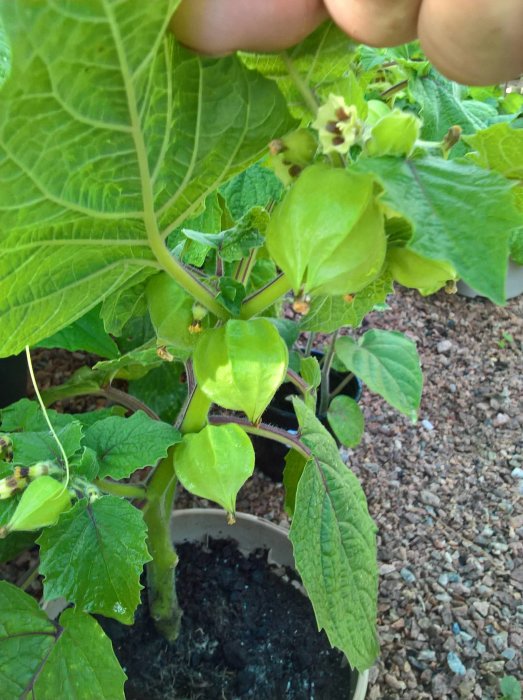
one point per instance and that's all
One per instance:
(459, 213)
(388, 363)
(338, 571)
(215, 463)
(510, 687)
(87, 333)
(118, 157)
(94, 556)
(346, 420)
(72, 658)
(123, 445)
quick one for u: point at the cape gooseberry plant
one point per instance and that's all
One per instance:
(161, 209)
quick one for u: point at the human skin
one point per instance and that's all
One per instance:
(477, 42)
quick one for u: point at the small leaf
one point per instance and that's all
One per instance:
(334, 543)
(346, 420)
(94, 557)
(26, 416)
(389, 364)
(499, 148)
(215, 463)
(241, 364)
(256, 186)
(310, 371)
(328, 313)
(126, 444)
(510, 687)
(231, 295)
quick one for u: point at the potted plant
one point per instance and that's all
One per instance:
(154, 213)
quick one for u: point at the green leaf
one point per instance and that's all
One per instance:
(15, 543)
(5, 55)
(26, 638)
(133, 365)
(241, 364)
(85, 464)
(442, 106)
(106, 150)
(87, 333)
(310, 371)
(82, 664)
(215, 463)
(339, 570)
(388, 363)
(26, 415)
(126, 444)
(499, 148)
(72, 659)
(459, 213)
(294, 465)
(231, 295)
(164, 389)
(31, 447)
(328, 313)
(94, 557)
(346, 419)
(255, 187)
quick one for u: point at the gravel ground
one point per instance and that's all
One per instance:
(446, 494)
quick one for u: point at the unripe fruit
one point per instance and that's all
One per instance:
(40, 505)
(416, 272)
(172, 312)
(328, 234)
(241, 364)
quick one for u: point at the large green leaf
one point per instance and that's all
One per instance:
(389, 364)
(334, 544)
(70, 659)
(126, 444)
(26, 415)
(164, 389)
(459, 213)
(94, 557)
(110, 136)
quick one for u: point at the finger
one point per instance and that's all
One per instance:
(377, 22)
(479, 42)
(221, 26)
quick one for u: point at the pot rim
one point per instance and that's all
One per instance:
(274, 537)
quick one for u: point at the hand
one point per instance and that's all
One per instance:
(472, 41)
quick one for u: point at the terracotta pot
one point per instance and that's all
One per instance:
(196, 524)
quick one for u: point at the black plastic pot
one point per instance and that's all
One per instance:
(270, 455)
(13, 379)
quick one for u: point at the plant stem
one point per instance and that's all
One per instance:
(266, 431)
(128, 401)
(341, 386)
(303, 88)
(194, 415)
(264, 297)
(298, 382)
(394, 88)
(163, 601)
(31, 576)
(310, 341)
(325, 376)
(117, 489)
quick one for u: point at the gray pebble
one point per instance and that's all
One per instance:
(455, 664)
(407, 575)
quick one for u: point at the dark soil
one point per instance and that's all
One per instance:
(247, 632)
